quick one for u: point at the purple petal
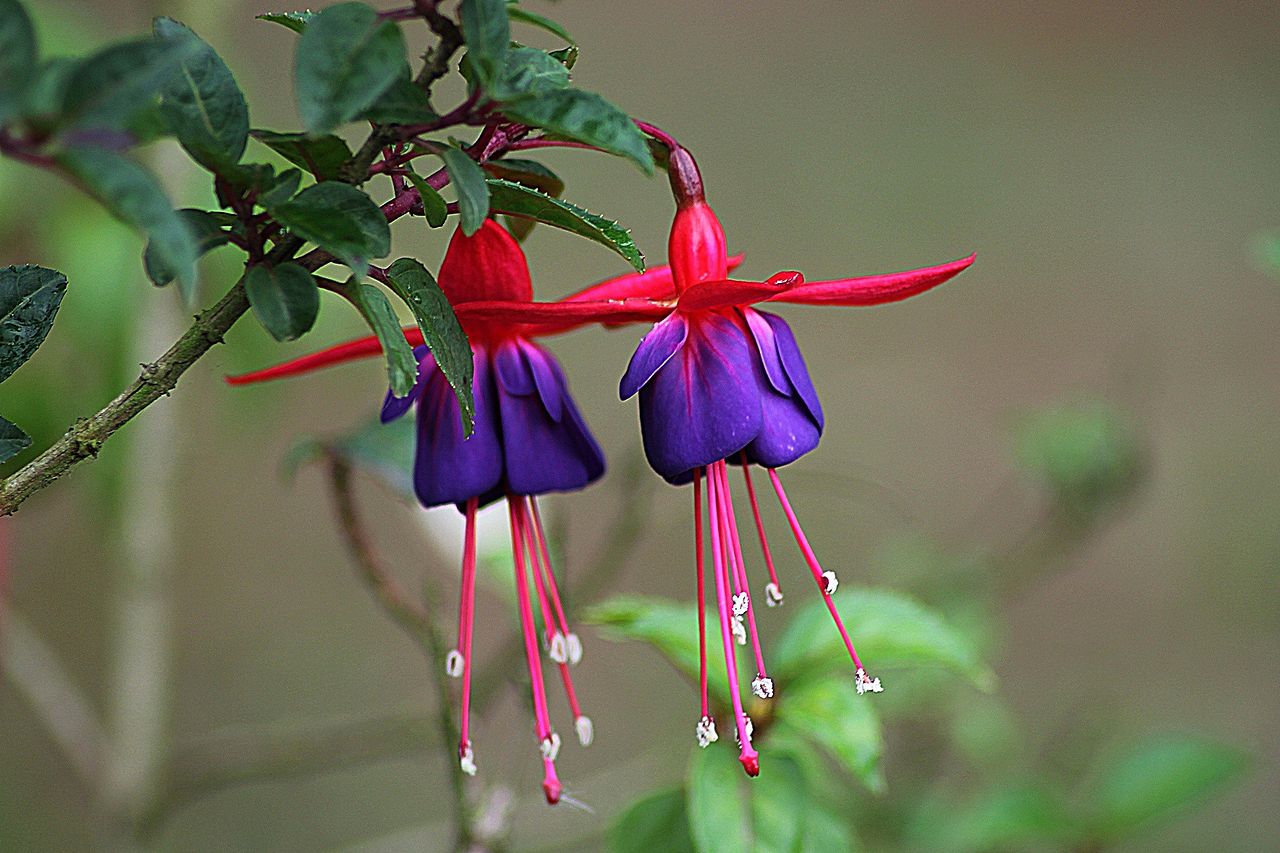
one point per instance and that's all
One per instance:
(447, 468)
(655, 350)
(793, 361)
(792, 424)
(703, 404)
(763, 334)
(393, 406)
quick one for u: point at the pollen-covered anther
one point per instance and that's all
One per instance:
(467, 760)
(550, 746)
(762, 686)
(453, 663)
(739, 630)
(772, 595)
(741, 603)
(558, 649)
(746, 724)
(706, 731)
(586, 731)
(830, 582)
(573, 645)
(867, 684)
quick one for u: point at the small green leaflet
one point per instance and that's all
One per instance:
(518, 13)
(340, 219)
(487, 32)
(202, 104)
(518, 200)
(113, 87)
(403, 103)
(347, 57)
(205, 228)
(585, 117)
(29, 300)
(443, 334)
(296, 21)
(831, 714)
(469, 183)
(433, 204)
(284, 298)
(12, 440)
(17, 56)
(528, 71)
(402, 367)
(322, 155)
(656, 822)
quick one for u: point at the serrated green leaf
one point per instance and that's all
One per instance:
(469, 183)
(434, 207)
(322, 156)
(585, 117)
(402, 367)
(518, 13)
(340, 219)
(17, 56)
(12, 440)
(889, 630)
(658, 821)
(347, 57)
(134, 196)
(530, 173)
(284, 298)
(527, 71)
(832, 715)
(206, 230)
(202, 104)
(1156, 779)
(404, 102)
(296, 21)
(487, 32)
(441, 330)
(29, 300)
(113, 87)
(518, 200)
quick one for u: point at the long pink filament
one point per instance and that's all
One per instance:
(814, 567)
(541, 571)
(466, 621)
(735, 553)
(702, 598)
(546, 561)
(755, 512)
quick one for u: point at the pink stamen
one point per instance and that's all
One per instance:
(755, 511)
(546, 561)
(466, 622)
(544, 609)
(702, 598)
(814, 566)
(747, 755)
(730, 524)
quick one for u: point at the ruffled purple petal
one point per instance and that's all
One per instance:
(703, 404)
(655, 350)
(792, 423)
(763, 334)
(393, 406)
(447, 468)
(797, 372)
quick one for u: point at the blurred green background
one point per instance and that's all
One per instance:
(1113, 167)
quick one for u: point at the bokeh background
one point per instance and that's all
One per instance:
(1115, 168)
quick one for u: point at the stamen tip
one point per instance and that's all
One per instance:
(453, 663)
(706, 731)
(574, 646)
(550, 746)
(762, 687)
(586, 731)
(867, 684)
(557, 648)
(772, 595)
(467, 760)
(831, 582)
(741, 603)
(739, 630)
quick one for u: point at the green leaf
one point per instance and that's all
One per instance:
(29, 300)
(1158, 778)
(1086, 453)
(487, 32)
(719, 815)
(17, 56)
(530, 173)
(528, 71)
(281, 189)
(205, 229)
(1014, 816)
(134, 196)
(284, 298)
(518, 200)
(831, 714)
(340, 219)
(441, 330)
(825, 831)
(296, 21)
(469, 182)
(433, 204)
(566, 56)
(888, 629)
(659, 821)
(347, 57)
(202, 104)
(517, 13)
(403, 103)
(322, 156)
(779, 805)
(12, 440)
(113, 87)
(402, 367)
(585, 117)
(45, 92)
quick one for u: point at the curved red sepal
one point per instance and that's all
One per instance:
(873, 289)
(653, 283)
(546, 317)
(336, 354)
(730, 293)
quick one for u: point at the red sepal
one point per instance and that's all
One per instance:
(873, 289)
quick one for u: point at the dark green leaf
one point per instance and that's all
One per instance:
(1158, 778)
(281, 190)
(402, 367)
(517, 13)
(719, 815)
(440, 329)
(832, 714)
(586, 117)
(284, 298)
(518, 200)
(340, 219)
(528, 71)
(29, 299)
(202, 103)
(114, 86)
(133, 195)
(322, 156)
(656, 822)
(403, 103)
(890, 630)
(433, 204)
(12, 440)
(487, 33)
(296, 21)
(17, 55)
(42, 100)
(347, 57)
(530, 173)
(469, 183)
(566, 56)
(205, 229)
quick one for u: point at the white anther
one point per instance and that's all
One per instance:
(741, 602)
(586, 732)
(574, 646)
(453, 663)
(867, 684)
(747, 725)
(706, 731)
(831, 582)
(550, 746)
(559, 653)
(772, 595)
(762, 687)
(739, 631)
(468, 761)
